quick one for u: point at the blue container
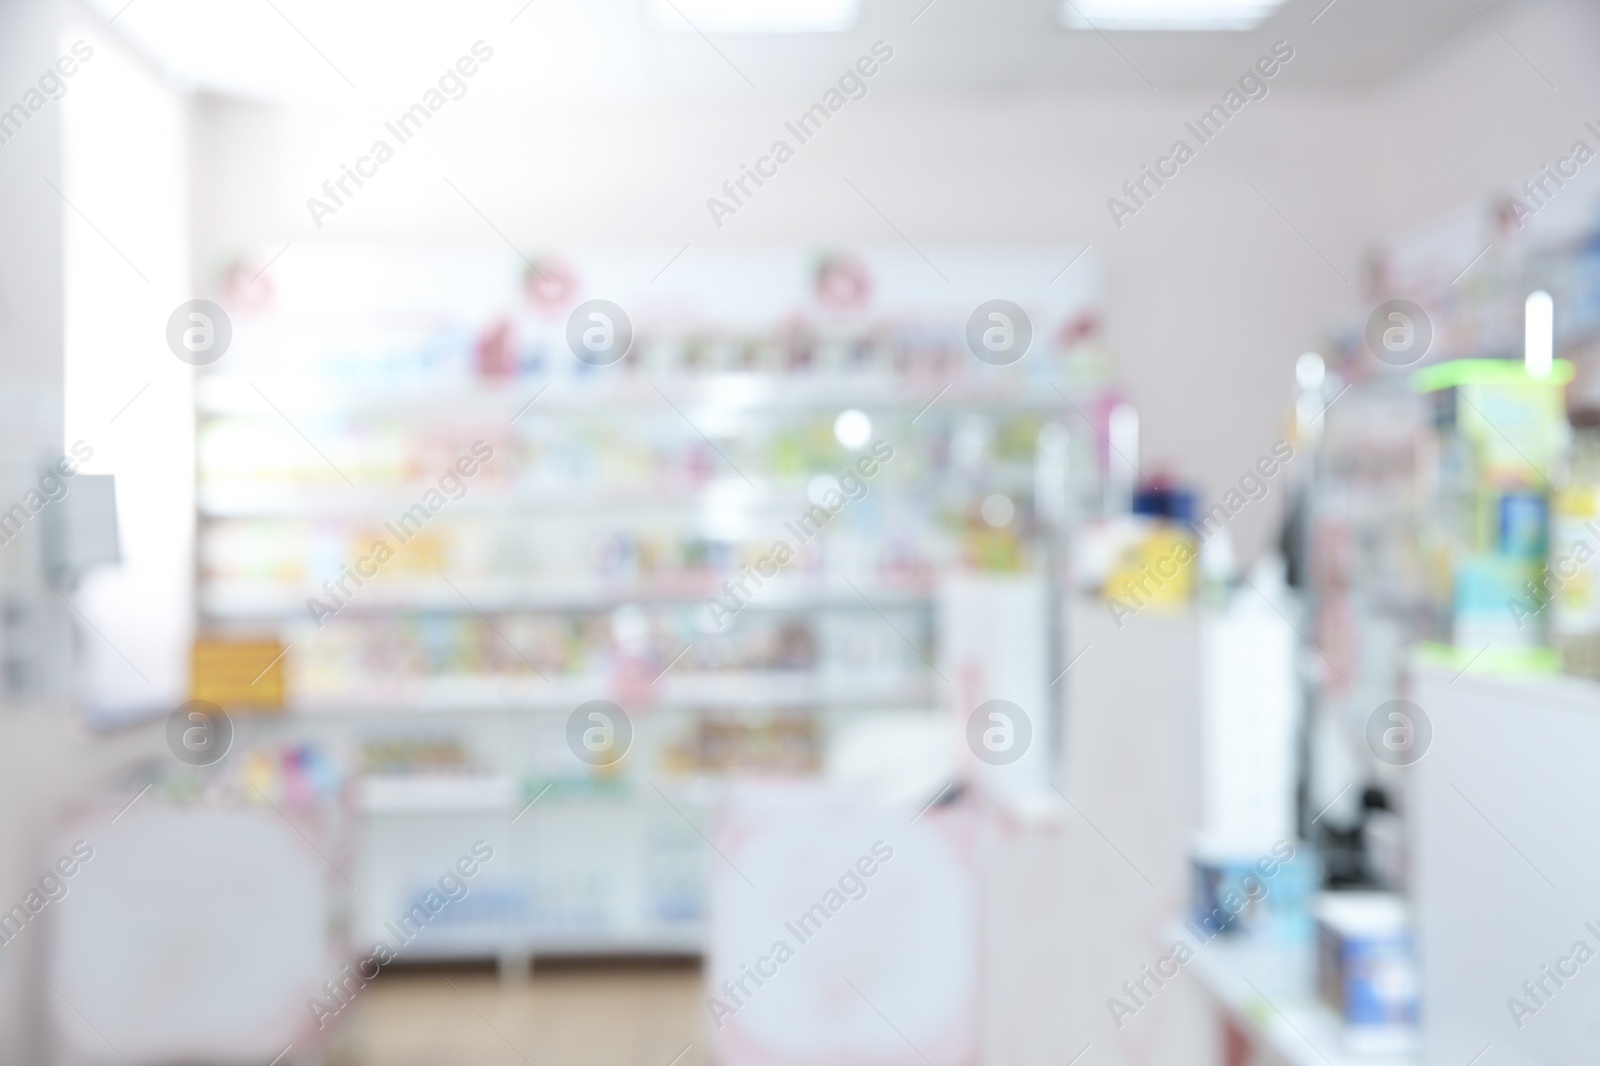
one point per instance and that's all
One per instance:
(1524, 525)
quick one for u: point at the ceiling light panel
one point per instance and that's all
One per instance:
(754, 16)
(1168, 15)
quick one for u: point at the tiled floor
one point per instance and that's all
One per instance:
(590, 1014)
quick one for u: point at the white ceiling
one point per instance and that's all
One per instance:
(360, 53)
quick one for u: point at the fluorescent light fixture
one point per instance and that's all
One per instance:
(755, 16)
(1539, 334)
(1165, 14)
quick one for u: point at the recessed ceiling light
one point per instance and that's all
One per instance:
(1165, 14)
(754, 16)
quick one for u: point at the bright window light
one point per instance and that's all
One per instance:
(1166, 14)
(1539, 334)
(755, 16)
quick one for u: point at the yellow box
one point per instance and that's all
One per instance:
(238, 673)
(1159, 568)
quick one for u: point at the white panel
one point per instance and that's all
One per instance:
(1505, 874)
(895, 966)
(191, 935)
(1132, 769)
(1247, 737)
(1029, 940)
(993, 646)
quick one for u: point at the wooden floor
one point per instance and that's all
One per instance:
(644, 1014)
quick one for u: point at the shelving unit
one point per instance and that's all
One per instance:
(557, 594)
(1414, 458)
(1443, 489)
(576, 564)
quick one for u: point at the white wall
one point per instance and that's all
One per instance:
(30, 344)
(30, 430)
(1480, 118)
(46, 756)
(125, 395)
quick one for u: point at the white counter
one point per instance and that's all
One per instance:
(1269, 989)
(1502, 811)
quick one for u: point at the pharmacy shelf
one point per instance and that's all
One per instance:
(266, 501)
(731, 689)
(672, 941)
(476, 793)
(1269, 987)
(263, 600)
(567, 877)
(606, 861)
(434, 793)
(786, 499)
(220, 394)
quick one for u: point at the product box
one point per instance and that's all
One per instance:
(238, 673)
(1523, 526)
(1367, 969)
(1484, 584)
(1574, 565)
